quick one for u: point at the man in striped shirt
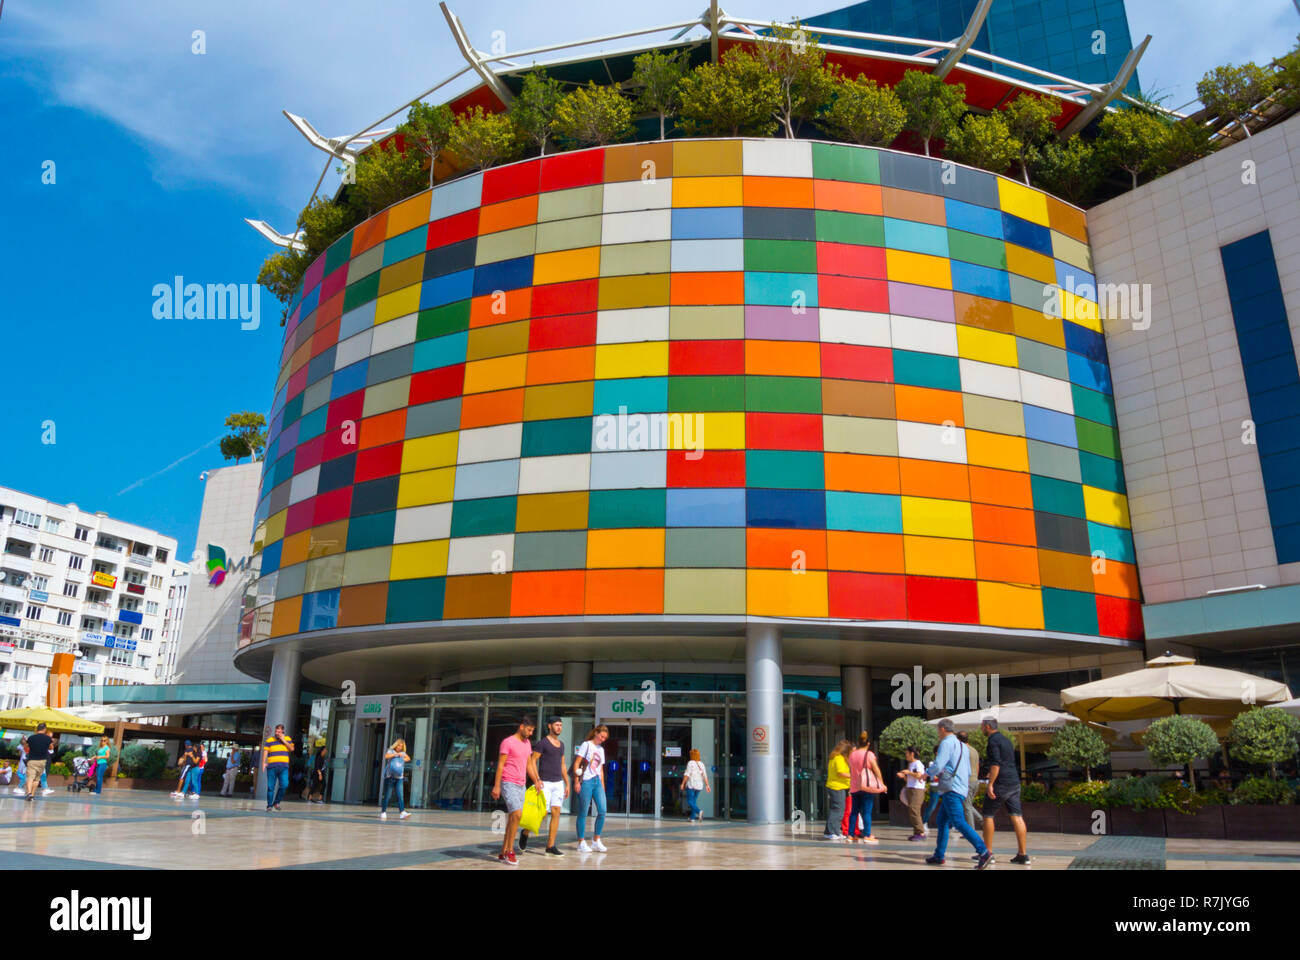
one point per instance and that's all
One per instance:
(276, 751)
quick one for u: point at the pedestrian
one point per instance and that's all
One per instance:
(20, 771)
(277, 749)
(590, 764)
(515, 767)
(395, 761)
(913, 792)
(951, 770)
(186, 764)
(319, 764)
(972, 815)
(552, 766)
(39, 746)
(865, 782)
(101, 763)
(196, 771)
(695, 779)
(231, 772)
(1003, 789)
(46, 790)
(837, 789)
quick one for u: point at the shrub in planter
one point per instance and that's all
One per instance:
(906, 732)
(1092, 793)
(142, 761)
(1263, 790)
(214, 771)
(1078, 745)
(1032, 792)
(1181, 740)
(59, 769)
(1264, 737)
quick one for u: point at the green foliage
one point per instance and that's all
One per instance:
(427, 128)
(1030, 122)
(1078, 745)
(1228, 92)
(983, 141)
(1180, 739)
(1031, 791)
(933, 107)
(1140, 793)
(282, 274)
(321, 222)
(1092, 793)
(1264, 737)
(1185, 142)
(143, 761)
(248, 436)
(481, 139)
(1133, 140)
(904, 732)
(657, 78)
(1069, 170)
(593, 115)
(863, 112)
(385, 176)
(980, 742)
(737, 97)
(533, 111)
(1263, 790)
(59, 769)
(804, 83)
(1288, 78)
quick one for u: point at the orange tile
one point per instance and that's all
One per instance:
(1006, 564)
(369, 233)
(624, 592)
(906, 205)
(1067, 220)
(477, 597)
(548, 593)
(384, 428)
(933, 478)
(561, 366)
(505, 307)
(927, 405)
(1005, 487)
(1065, 571)
(707, 289)
(1003, 524)
(984, 313)
(363, 604)
(786, 549)
(867, 552)
(490, 409)
(862, 473)
(782, 358)
(1118, 580)
(287, 616)
(295, 548)
(508, 215)
(848, 197)
(795, 192)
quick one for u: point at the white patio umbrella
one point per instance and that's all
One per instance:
(1027, 720)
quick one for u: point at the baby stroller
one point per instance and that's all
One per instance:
(81, 775)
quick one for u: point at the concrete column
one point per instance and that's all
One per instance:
(282, 700)
(855, 693)
(576, 675)
(764, 724)
(432, 684)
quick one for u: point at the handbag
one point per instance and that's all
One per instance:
(869, 782)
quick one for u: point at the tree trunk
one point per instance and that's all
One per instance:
(661, 126)
(1087, 773)
(1024, 168)
(927, 146)
(1134, 175)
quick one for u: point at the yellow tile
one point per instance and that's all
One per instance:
(427, 486)
(707, 158)
(928, 517)
(1081, 311)
(1029, 264)
(1010, 605)
(1106, 506)
(707, 431)
(565, 265)
(1072, 251)
(617, 360)
(986, 345)
(498, 373)
(409, 214)
(919, 268)
(625, 548)
(641, 290)
(708, 191)
(413, 560)
(995, 450)
(426, 453)
(785, 593)
(1023, 202)
(398, 303)
(275, 526)
(939, 557)
(1037, 325)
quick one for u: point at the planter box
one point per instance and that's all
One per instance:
(1136, 823)
(1261, 822)
(1205, 824)
(1077, 817)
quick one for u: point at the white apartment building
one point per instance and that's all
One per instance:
(77, 581)
(173, 617)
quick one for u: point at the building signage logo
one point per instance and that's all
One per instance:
(103, 580)
(626, 705)
(219, 565)
(40, 596)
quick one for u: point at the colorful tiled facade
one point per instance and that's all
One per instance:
(701, 378)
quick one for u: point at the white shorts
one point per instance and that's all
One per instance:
(554, 793)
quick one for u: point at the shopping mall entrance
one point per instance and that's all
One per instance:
(454, 740)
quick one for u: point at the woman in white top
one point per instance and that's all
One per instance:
(589, 762)
(695, 780)
(913, 793)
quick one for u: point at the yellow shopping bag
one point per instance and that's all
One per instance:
(534, 811)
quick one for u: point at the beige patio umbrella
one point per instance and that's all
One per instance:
(1028, 721)
(1171, 685)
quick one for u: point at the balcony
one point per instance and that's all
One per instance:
(140, 560)
(111, 555)
(99, 609)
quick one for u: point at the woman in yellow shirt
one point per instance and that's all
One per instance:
(837, 785)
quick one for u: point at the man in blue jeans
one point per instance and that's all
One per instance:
(950, 772)
(276, 751)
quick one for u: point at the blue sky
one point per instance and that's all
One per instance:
(159, 153)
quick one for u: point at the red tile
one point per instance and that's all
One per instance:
(783, 431)
(555, 333)
(308, 454)
(334, 283)
(1117, 617)
(453, 229)
(313, 275)
(325, 337)
(379, 462)
(557, 299)
(510, 182)
(332, 505)
(853, 293)
(440, 384)
(716, 468)
(339, 443)
(942, 600)
(348, 407)
(579, 169)
(297, 382)
(706, 357)
(851, 260)
(847, 361)
(299, 516)
(867, 596)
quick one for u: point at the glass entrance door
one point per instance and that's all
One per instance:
(631, 767)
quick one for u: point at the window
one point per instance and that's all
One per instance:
(39, 582)
(96, 596)
(122, 657)
(128, 603)
(22, 671)
(47, 555)
(8, 608)
(65, 618)
(26, 519)
(75, 561)
(155, 581)
(52, 525)
(70, 588)
(146, 633)
(83, 534)
(161, 555)
(144, 663)
(19, 548)
(151, 607)
(34, 612)
(125, 631)
(26, 643)
(90, 624)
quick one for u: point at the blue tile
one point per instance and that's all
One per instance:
(708, 223)
(1031, 236)
(1050, 426)
(789, 509)
(504, 275)
(974, 219)
(440, 291)
(980, 281)
(714, 507)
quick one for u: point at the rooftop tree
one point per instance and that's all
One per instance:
(593, 115)
(384, 176)
(1229, 92)
(1133, 140)
(1030, 120)
(247, 437)
(864, 112)
(933, 107)
(805, 83)
(983, 141)
(533, 111)
(481, 139)
(656, 79)
(738, 96)
(1070, 170)
(428, 127)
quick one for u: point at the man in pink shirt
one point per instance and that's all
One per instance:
(515, 767)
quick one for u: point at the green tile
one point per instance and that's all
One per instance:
(477, 518)
(781, 256)
(545, 438)
(363, 291)
(439, 321)
(339, 253)
(704, 547)
(372, 530)
(784, 394)
(1057, 496)
(413, 600)
(292, 411)
(626, 508)
(563, 550)
(973, 248)
(789, 469)
(692, 394)
(926, 370)
(1097, 438)
(835, 161)
(1092, 405)
(1101, 472)
(1069, 611)
(835, 226)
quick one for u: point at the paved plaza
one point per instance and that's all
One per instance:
(135, 830)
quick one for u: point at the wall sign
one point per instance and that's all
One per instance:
(760, 740)
(373, 708)
(103, 580)
(626, 705)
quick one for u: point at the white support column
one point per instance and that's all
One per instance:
(764, 724)
(281, 699)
